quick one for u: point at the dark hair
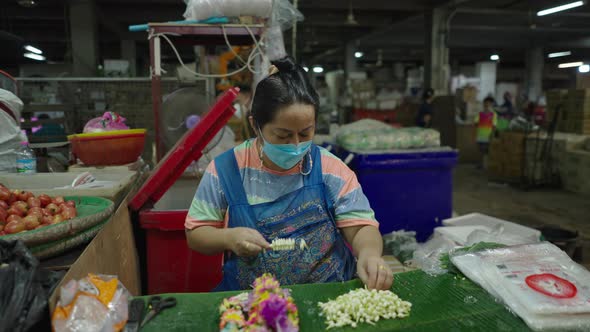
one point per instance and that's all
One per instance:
(427, 93)
(287, 87)
(489, 99)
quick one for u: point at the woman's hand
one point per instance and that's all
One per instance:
(374, 272)
(245, 242)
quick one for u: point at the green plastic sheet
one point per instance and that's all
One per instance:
(441, 303)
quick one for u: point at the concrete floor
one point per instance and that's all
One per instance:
(473, 193)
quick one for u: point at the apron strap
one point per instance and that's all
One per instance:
(230, 178)
(315, 177)
(228, 171)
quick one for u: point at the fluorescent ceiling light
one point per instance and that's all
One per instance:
(318, 69)
(584, 68)
(306, 69)
(560, 8)
(33, 49)
(570, 64)
(558, 54)
(494, 57)
(358, 54)
(34, 56)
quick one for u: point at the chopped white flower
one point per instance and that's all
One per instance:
(364, 306)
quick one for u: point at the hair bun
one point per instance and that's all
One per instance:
(286, 64)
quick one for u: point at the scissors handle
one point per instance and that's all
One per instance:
(168, 302)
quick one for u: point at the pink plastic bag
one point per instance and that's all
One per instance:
(109, 121)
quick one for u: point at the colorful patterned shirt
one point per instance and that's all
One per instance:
(209, 206)
(486, 121)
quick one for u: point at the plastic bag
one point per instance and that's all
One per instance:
(109, 121)
(538, 282)
(204, 9)
(428, 255)
(373, 135)
(94, 303)
(498, 235)
(402, 244)
(284, 14)
(24, 289)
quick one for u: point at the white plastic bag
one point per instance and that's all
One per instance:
(373, 135)
(503, 273)
(204, 9)
(95, 303)
(427, 256)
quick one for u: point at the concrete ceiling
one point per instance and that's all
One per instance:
(393, 28)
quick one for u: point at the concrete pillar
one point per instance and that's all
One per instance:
(436, 55)
(129, 53)
(534, 73)
(486, 72)
(83, 31)
(349, 59)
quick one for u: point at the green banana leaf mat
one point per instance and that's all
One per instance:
(441, 303)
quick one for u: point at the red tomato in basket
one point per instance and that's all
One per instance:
(59, 200)
(53, 209)
(13, 217)
(551, 285)
(21, 206)
(44, 199)
(14, 227)
(3, 205)
(13, 211)
(33, 202)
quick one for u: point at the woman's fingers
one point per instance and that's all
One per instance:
(385, 278)
(256, 238)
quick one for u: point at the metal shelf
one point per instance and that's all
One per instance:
(193, 34)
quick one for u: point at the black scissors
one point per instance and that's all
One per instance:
(155, 305)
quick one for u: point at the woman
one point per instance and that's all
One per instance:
(424, 118)
(280, 185)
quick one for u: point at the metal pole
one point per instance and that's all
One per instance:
(155, 73)
(294, 41)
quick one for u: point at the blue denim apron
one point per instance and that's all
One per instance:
(305, 213)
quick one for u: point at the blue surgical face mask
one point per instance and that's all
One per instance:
(286, 156)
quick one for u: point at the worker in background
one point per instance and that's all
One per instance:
(486, 123)
(507, 107)
(505, 112)
(280, 185)
(424, 118)
(11, 134)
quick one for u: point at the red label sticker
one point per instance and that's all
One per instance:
(551, 285)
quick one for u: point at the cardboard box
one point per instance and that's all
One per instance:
(111, 252)
(468, 94)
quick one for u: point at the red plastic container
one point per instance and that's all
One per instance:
(171, 266)
(118, 147)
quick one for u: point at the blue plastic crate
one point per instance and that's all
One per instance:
(407, 190)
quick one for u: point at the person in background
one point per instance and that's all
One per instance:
(424, 118)
(505, 112)
(486, 122)
(507, 107)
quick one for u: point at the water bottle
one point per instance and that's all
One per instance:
(26, 163)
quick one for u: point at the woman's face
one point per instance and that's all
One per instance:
(292, 125)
